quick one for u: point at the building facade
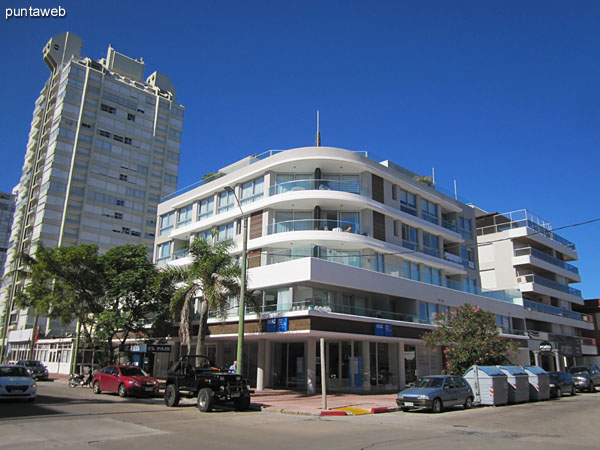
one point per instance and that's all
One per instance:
(7, 210)
(103, 149)
(519, 250)
(342, 247)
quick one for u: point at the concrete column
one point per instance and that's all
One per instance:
(536, 358)
(366, 354)
(439, 214)
(556, 360)
(219, 354)
(401, 366)
(311, 366)
(260, 367)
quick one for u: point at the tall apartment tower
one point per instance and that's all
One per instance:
(7, 210)
(103, 149)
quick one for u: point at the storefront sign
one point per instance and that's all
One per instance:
(383, 329)
(277, 324)
(159, 348)
(545, 346)
(138, 348)
(20, 335)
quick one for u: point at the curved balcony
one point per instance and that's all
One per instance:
(547, 258)
(352, 187)
(347, 226)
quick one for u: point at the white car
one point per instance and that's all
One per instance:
(16, 382)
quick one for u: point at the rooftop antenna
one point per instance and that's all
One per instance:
(318, 138)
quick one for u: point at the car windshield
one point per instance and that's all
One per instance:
(579, 370)
(196, 361)
(32, 363)
(133, 372)
(14, 371)
(428, 382)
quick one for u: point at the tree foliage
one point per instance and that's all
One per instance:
(468, 335)
(213, 277)
(113, 296)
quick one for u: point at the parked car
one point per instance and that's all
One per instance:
(37, 370)
(124, 380)
(16, 382)
(561, 383)
(586, 377)
(436, 392)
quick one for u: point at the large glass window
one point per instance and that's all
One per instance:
(408, 202)
(409, 237)
(226, 201)
(166, 223)
(292, 182)
(429, 211)
(293, 221)
(225, 232)
(252, 190)
(464, 227)
(339, 182)
(410, 270)
(207, 208)
(431, 244)
(184, 216)
(164, 252)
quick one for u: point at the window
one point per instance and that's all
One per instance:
(120, 202)
(409, 237)
(118, 138)
(252, 190)
(429, 211)
(206, 235)
(184, 216)
(410, 270)
(103, 133)
(122, 177)
(408, 202)
(226, 200)
(293, 182)
(431, 244)
(164, 252)
(108, 109)
(396, 226)
(468, 257)
(464, 227)
(128, 140)
(225, 232)
(118, 215)
(427, 312)
(338, 182)
(431, 275)
(131, 117)
(207, 208)
(166, 223)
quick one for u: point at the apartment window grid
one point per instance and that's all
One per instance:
(184, 216)
(207, 208)
(164, 253)
(408, 202)
(464, 227)
(431, 244)
(410, 271)
(252, 191)
(167, 222)
(409, 237)
(429, 211)
(225, 232)
(226, 201)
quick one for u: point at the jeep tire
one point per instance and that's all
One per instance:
(242, 403)
(171, 396)
(206, 400)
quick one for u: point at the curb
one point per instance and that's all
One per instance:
(383, 410)
(333, 413)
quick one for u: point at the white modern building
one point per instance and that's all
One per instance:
(103, 149)
(519, 250)
(7, 210)
(344, 247)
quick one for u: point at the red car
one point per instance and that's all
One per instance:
(124, 380)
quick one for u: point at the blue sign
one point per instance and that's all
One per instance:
(278, 324)
(383, 329)
(378, 329)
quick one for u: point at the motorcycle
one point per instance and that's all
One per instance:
(80, 380)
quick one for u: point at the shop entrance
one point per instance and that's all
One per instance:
(289, 365)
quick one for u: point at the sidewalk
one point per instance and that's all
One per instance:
(299, 403)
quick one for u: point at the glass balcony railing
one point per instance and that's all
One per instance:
(449, 225)
(548, 309)
(181, 253)
(314, 224)
(545, 257)
(352, 187)
(531, 278)
(375, 265)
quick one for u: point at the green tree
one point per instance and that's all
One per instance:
(213, 277)
(468, 335)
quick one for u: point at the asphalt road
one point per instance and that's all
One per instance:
(62, 417)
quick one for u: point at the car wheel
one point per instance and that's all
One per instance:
(122, 391)
(592, 387)
(206, 399)
(573, 391)
(405, 409)
(437, 406)
(558, 392)
(171, 396)
(96, 388)
(242, 403)
(468, 403)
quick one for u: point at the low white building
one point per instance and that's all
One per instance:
(343, 247)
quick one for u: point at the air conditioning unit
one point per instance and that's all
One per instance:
(522, 279)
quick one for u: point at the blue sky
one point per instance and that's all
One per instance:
(501, 96)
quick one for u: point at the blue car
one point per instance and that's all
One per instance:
(436, 392)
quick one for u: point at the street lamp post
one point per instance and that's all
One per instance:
(241, 306)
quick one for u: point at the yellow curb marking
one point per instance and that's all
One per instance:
(353, 410)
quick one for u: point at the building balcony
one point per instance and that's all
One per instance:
(449, 225)
(547, 258)
(314, 224)
(352, 187)
(555, 311)
(537, 279)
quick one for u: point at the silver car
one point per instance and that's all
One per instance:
(436, 392)
(16, 383)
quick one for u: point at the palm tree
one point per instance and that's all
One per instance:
(213, 277)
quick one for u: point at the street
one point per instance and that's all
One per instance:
(62, 417)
